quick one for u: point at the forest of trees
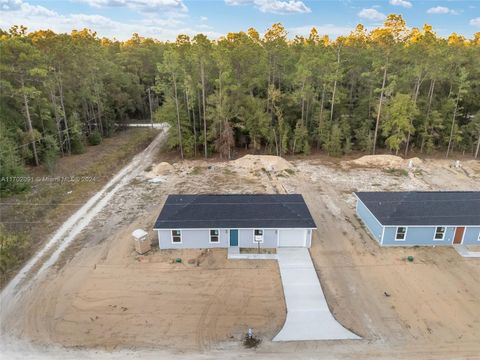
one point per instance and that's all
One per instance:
(396, 88)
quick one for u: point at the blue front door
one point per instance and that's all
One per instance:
(234, 237)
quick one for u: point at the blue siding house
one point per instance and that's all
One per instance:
(424, 218)
(234, 221)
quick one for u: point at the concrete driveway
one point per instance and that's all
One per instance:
(308, 316)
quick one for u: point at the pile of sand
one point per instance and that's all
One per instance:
(161, 169)
(259, 162)
(383, 161)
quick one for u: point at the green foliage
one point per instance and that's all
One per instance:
(333, 145)
(364, 137)
(399, 116)
(396, 172)
(95, 138)
(265, 93)
(77, 138)
(49, 152)
(10, 167)
(300, 140)
(12, 249)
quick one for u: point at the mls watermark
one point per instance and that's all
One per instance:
(48, 179)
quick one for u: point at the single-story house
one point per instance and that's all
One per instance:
(421, 217)
(240, 220)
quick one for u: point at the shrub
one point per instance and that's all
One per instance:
(49, 152)
(95, 138)
(10, 166)
(77, 144)
(12, 249)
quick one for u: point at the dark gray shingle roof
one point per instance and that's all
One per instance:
(234, 211)
(424, 207)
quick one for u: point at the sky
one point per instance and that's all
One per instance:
(165, 19)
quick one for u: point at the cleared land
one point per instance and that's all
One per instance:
(55, 195)
(102, 295)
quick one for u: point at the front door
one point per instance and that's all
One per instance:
(233, 237)
(458, 235)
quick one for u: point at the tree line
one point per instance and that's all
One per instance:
(394, 87)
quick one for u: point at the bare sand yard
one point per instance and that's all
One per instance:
(102, 295)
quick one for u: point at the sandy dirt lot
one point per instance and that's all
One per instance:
(102, 295)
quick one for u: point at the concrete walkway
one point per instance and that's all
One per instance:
(463, 251)
(308, 316)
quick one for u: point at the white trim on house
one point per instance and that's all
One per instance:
(249, 228)
(478, 237)
(210, 236)
(465, 226)
(171, 236)
(383, 234)
(435, 233)
(404, 236)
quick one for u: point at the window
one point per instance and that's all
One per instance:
(214, 236)
(401, 233)
(258, 235)
(439, 233)
(176, 236)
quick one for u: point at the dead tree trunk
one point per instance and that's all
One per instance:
(57, 120)
(178, 114)
(320, 118)
(453, 125)
(150, 106)
(202, 71)
(379, 112)
(193, 123)
(415, 97)
(478, 146)
(427, 118)
(335, 85)
(67, 131)
(29, 124)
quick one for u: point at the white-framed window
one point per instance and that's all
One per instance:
(258, 236)
(439, 233)
(401, 233)
(214, 235)
(176, 236)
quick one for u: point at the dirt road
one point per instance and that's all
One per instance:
(100, 295)
(62, 238)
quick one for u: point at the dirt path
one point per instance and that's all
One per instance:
(62, 238)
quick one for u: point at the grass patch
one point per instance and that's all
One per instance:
(290, 171)
(13, 247)
(258, 251)
(396, 172)
(197, 170)
(227, 171)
